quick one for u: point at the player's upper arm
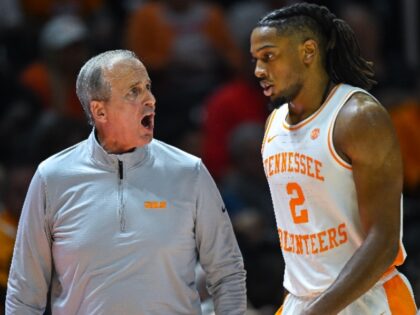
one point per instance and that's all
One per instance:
(364, 136)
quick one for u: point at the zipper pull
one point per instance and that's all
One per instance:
(120, 169)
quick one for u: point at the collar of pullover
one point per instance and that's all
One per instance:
(102, 157)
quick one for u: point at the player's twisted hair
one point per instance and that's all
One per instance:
(338, 45)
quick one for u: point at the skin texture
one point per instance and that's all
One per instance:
(118, 120)
(363, 136)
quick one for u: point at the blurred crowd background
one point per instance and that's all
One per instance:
(208, 103)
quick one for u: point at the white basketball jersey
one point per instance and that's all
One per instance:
(314, 196)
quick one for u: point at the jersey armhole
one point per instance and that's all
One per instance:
(337, 158)
(331, 148)
(268, 127)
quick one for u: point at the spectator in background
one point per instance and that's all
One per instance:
(19, 112)
(37, 10)
(369, 27)
(16, 36)
(63, 43)
(405, 115)
(244, 186)
(13, 18)
(236, 101)
(53, 133)
(187, 47)
(10, 30)
(246, 194)
(367, 30)
(242, 14)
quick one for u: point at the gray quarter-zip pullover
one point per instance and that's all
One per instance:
(121, 235)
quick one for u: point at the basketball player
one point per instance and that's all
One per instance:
(117, 223)
(334, 168)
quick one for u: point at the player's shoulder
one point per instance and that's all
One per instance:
(362, 124)
(362, 110)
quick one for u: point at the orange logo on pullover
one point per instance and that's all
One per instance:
(155, 204)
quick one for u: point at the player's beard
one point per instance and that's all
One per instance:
(286, 96)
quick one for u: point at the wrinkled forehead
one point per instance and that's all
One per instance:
(127, 68)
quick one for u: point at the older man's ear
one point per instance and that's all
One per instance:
(98, 110)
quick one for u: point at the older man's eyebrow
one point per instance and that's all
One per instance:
(134, 84)
(148, 81)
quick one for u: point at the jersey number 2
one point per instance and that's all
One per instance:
(297, 199)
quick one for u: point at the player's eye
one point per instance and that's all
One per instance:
(268, 57)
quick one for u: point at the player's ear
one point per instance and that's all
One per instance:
(98, 110)
(309, 51)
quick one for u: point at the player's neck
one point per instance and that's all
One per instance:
(309, 101)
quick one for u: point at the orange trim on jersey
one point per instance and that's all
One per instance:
(271, 118)
(279, 311)
(401, 256)
(389, 271)
(337, 158)
(400, 298)
(305, 122)
(397, 262)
